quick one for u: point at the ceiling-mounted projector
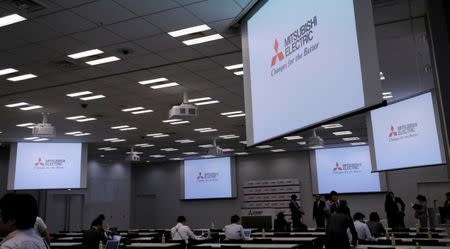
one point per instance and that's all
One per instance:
(215, 150)
(133, 156)
(183, 111)
(44, 129)
(314, 140)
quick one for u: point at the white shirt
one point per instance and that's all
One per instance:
(23, 239)
(40, 225)
(182, 232)
(363, 231)
(234, 232)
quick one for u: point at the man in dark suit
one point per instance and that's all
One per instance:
(336, 203)
(95, 235)
(336, 233)
(296, 212)
(318, 211)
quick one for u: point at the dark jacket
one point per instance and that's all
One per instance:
(376, 229)
(281, 225)
(337, 231)
(318, 212)
(92, 238)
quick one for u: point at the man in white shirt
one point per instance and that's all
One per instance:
(181, 231)
(362, 229)
(234, 231)
(41, 228)
(18, 214)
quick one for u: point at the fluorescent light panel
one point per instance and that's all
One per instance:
(141, 112)
(206, 146)
(207, 102)
(93, 97)
(40, 139)
(169, 149)
(236, 115)
(210, 130)
(82, 134)
(86, 119)
(33, 107)
(22, 77)
(350, 138)
(153, 134)
(190, 30)
(129, 129)
(278, 150)
(73, 132)
(236, 66)
(264, 146)
(120, 127)
(103, 60)
(157, 156)
(118, 140)
(230, 113)
(8, 71)
(25, 124)
(190, 153)
(165, 85)
(184, 141)
(293, 137)
(31, 138)
(110, 139)
(85, 53)
(198, 99)
(133, 109)
(332, 126)
(171, 120)
(152, 81)
(239, 73)
(241, 153)
(11, 19)
(316, 147)
(203, 39)
(358, 143)
(180, 122)
(77, 94)
(16, 104)
(75, 117)
(162, 135)
(342, 133)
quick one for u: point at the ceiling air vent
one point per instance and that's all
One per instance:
(28, 6)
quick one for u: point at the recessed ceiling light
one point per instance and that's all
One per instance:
(171, 120)
(198, 99)
(75, 117)
(85, 53)
(210, 130)
(206, 146)
(382, 76)
(128, 129)
(141, 112)
(184, 141)
(229, 136)
(302, 143)
(77, 94)
(133, 109)
(107, 148)
(144, 145)
(22, 77)
(227, 150)
(103, 60)
(190, 30)
(207, 156)
(118, 140)
(236, 115)
(342, 133)
(278, 150)
(293, 137)
(171, 84)
(33, 107)
(202, 129)
(230, 113)
(203, 39)
(82, 134)
(40, 139)
(162, 135)
(190, 153)
(110, 139)
(316, 147)
(8, 71)
(169, 149)
(241, 153)
(180, 122)
(153, 134)
(236, 66)
(119, 127)
(332, 126)
(358, 143)
(243, 142)
(157, 156)
(25, 124)
(93, 97)
(239, 73)
(152, 81)
(264, 146)
(102, 155)
(85, 119)
(16, 104)
(176, 159)
(31, 138)
(388, 97)
(11, 19)
(386, 93)
(73, 132)
(350, 138)
(207, 102)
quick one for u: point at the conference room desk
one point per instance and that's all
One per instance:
(413, 229)
(142, 239)
(152, 245)
(399, 247)
(421, 233)
(70, 234)
(444, 240)
(68, 238)
(66, 244)
(251, 246)
(139, 233)
(304, 234)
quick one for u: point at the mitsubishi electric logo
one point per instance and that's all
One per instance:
(199, 177)
(404, 131)
(347, 168)
(337, 167)
(39, 162)
(208, 177)
(294, 47)
(49, 163)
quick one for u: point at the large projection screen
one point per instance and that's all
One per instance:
(47, 166)
(307, 62)
(406, 134)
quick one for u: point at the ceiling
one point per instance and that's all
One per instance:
(136, 31)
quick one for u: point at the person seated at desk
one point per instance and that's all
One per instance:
(336, 232)
(42, 229)
(375, 226)
(362, 229)
(95, 235)
(18, 214)
(234, 231)
(182, 232)
(280, 224)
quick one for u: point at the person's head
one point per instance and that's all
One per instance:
(97, 223)
(358, 216)
(280, 215)
(421, 198)
(447, 195)
(327, 197)
(333, 195)
(374, 217)
(294, 197)
(390, 195)
(235, 219)
(343, 208)
(101, 217)
(316, 197)
(17, 212)
(181, 219)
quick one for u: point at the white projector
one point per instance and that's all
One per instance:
(133, 157)
(183, 111)
(315, 141)
(44, 130)
(216, 150)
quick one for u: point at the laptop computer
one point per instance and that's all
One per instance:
(247, 233)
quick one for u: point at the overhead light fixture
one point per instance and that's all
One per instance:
(206, 146)
(207, 156)
(8, 71)
(228, 136)
(118, 140)
(85, 119)
(382, 76)
(25, 124)
(75, 117)
(141, 112)
(278, 150)
(332, 126)
(190, 153)
(191, 30)
(103, 60)
(388, 97)
(239, 73)
(227, 150)
(128, 129)
(40, 139)
(30, 138)
(236, 66)
(264, 146)
(171, 120)
(120, 127)
(144, 145)
(207, 102)
(33, 107)
(16, 104)
(358, 143)
(243, 142)
(316, 147)
(164, 85)
(180, 122)
(11, 19)
(157, 156)
(107, 148)
(301, 143)
(77, 94)
(110, 139)
(293, 137)
(162, 135)
(342, 133)
(153, 134)
(93, 97)
(202, 129)
(82, 134)
(169, 149)
(73, 132)
(350, 138)
(210, 130)
(230, 113)
(133, 109)
(184, 141)
(241, 153)
(203, 39)
(198, 99)
(386, 93)
(22, 77)
(236, 115)
(152, 81)
(85, 53)
(176, 159)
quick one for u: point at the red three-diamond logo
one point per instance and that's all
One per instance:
(278, 55)
(392, 133)
(337, 167)
(39, 162)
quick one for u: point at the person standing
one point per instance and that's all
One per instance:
(335, 203)
(296, 212)
(336, 232)
(318, 211)
(420, 209)
(395, 210)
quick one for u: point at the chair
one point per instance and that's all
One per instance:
(431, 242)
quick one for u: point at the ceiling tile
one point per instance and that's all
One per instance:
(33, 31)
(140, 7)
(180, 54)
(134, 29)
(110, 12)
(149, 60)
(66, 22)
(214, 10)
(66, 45)
(98, 37)
(159, 43)
(179, 18)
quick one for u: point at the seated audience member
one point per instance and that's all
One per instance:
(41, 228)
(336, 231)
(420, 210)
(234, 231)
(280, 224)
(18, 214)
(95, 235)
(182, 232)
(445, 210)
(375, 226)
(362, 229)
